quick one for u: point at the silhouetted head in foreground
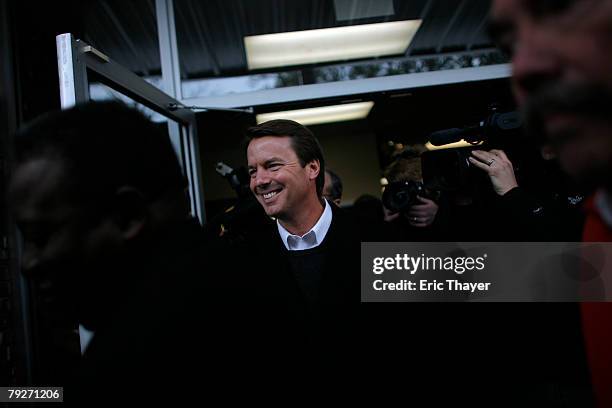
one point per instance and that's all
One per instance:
(93, 187)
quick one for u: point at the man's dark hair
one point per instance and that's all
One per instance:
(335, 190)
(103, 147)
(303, 142)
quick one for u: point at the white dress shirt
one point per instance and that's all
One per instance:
(312, 238)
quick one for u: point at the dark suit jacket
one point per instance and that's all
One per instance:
(499, 354)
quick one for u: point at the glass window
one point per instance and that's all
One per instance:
(214, 37)
(125, 31)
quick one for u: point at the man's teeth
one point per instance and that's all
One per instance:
(270, 195)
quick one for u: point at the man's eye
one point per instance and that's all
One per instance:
(252, 173)
(274, 166)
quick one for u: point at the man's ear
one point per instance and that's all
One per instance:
(130, 211)
(314, 168)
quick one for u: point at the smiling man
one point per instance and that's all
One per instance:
(306, 260)
(315, 242)
(286, 166)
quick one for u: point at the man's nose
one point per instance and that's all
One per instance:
(534, 63)
(262, 179)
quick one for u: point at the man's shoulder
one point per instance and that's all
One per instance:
(341, 219)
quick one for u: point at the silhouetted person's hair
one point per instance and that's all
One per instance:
(335, 190)
(104, 146)
(404, 169)
(304, 143)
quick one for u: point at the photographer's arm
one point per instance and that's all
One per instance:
(498, 167)
(530, 216)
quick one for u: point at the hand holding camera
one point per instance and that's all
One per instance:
(498, 167)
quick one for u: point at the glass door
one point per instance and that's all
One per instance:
(87, 74)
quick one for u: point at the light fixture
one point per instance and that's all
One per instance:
(323, 114)
(329, 44)
(455, 145)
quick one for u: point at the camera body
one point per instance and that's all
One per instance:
(399, 196)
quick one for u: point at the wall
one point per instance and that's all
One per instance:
(350, 150)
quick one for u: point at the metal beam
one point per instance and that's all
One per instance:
(72, 72)
(130, 84)
(186, 142)
(168, 48)
(353, 88)
(170, 68)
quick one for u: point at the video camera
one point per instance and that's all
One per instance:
(244, 216)
(238, 179)
(450, 169)
(493, 127)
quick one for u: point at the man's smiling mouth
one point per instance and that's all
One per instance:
(271, 194)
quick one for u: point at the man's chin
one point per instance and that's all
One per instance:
(272, 211)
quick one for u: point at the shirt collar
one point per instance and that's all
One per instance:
(312, 238)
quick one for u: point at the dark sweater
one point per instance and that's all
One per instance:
(307, 267)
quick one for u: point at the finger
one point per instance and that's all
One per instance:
(425, 200)
(501, 154)
(421, 207)
(479, 164)
(481, 154)
(484, 157)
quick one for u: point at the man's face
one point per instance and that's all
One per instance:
(559, 49)
(65, 246)
(278, 180)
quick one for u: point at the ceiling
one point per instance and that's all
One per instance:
(210, 33)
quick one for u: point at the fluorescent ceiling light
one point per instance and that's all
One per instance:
(455, 145)
(324, 114)
(329, 44)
